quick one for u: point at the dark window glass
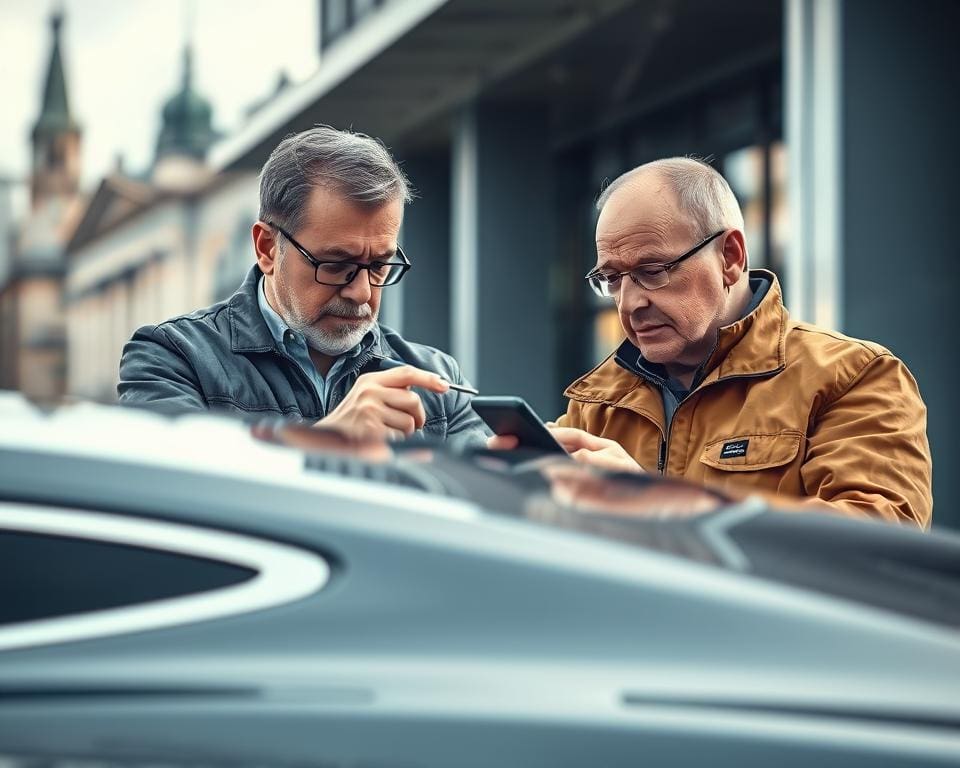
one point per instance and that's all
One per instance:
(738, 128)
(335, 19)
(44, 576)
(362, 7)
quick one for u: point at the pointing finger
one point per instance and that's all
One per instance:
(408, 376)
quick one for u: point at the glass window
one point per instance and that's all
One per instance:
(744, 171)
(46, 576)
(69, 574)
(607, 332)
(335, 19)
(779, 210)
(362, 7)
(758, 177)
(736, 126)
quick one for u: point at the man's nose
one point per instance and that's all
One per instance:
(632, 295)
(358, 290)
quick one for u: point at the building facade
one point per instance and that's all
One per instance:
(32, 256)
(149, 248)
(832, 120)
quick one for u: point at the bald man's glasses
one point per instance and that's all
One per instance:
(606, 283)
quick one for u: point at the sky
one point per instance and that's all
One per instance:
(123, 59)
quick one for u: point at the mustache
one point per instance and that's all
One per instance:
(343, 308)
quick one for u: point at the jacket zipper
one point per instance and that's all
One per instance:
(665, 438)
(303, 377)
(335, 395)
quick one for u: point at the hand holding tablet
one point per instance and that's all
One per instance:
(513, 416)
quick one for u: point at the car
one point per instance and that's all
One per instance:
(199, 591)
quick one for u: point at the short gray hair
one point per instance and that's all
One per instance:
(702, 193)
(355, 165)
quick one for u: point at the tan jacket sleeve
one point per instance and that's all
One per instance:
(867, 452)
(572, 417)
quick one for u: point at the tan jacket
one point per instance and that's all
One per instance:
(785, 408)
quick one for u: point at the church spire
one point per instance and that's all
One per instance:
(55, 114)
(187, 118)
(56, 134)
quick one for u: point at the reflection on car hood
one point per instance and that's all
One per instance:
(901, 570)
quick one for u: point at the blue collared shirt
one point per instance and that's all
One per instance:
(295, 345)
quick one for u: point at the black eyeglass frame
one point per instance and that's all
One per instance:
(317, 263)
(668, 266)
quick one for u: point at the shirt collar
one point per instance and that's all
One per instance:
(274, 322)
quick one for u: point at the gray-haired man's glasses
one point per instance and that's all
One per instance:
(649, 276)
(342, 272)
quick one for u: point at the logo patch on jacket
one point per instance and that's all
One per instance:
(734, 449)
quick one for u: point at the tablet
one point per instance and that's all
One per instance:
(513, 416)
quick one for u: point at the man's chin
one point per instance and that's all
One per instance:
(344, 326)
(336, 338)
(661, 354)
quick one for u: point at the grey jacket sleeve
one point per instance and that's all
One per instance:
(154, 373)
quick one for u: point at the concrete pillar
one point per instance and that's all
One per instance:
(464, 254)
(815, 154)
(504, 243)
(425, 292)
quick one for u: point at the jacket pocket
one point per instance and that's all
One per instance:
(752, 452)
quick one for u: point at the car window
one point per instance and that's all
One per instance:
(46, 576)
(69, 574)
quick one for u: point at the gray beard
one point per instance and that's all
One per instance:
(342, 338)
(335, 343)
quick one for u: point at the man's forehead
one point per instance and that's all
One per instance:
(644, 198)
(331, 208)
(358, 247)
(635, 233)
(643, 214)
(352, 244)
(333, 223)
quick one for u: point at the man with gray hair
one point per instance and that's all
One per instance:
(715, 383)
(300, 337)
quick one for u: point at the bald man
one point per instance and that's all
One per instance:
(715, 383)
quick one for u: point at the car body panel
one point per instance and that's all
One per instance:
(452, 632)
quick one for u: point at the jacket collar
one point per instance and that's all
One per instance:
(249, 331)
(755, 345)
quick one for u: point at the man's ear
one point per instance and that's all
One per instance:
(266, 246)
(734, 249)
